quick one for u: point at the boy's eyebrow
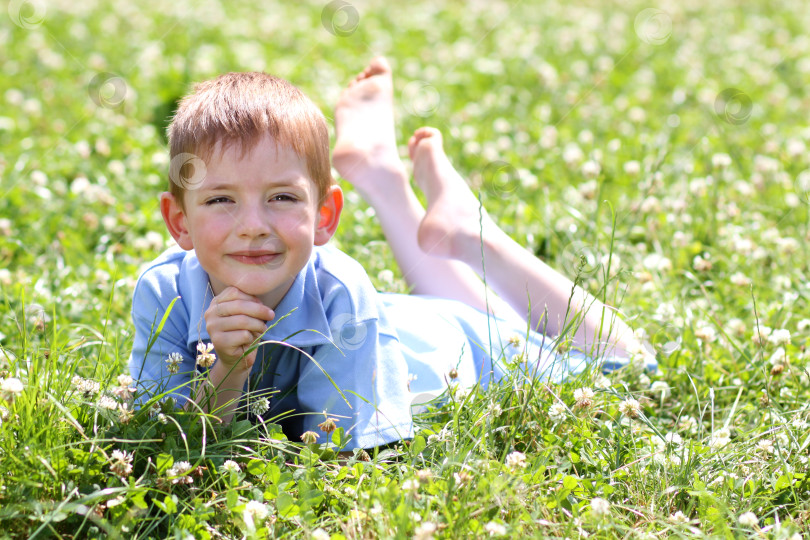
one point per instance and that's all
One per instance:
(225, 185)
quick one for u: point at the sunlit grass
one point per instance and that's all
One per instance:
(672, 144)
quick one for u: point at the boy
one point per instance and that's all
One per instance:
(254, 221)
(247, 217)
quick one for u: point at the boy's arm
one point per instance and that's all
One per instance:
(234, 321)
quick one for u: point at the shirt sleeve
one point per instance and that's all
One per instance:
(361, 381)
(151, 349)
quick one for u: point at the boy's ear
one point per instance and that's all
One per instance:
(175, 219)
(329, 215)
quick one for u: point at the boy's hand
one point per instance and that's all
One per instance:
(234, 321)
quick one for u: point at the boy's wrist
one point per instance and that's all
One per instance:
(222, 371)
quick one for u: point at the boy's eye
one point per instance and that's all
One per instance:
(217, 200)
(282, 197)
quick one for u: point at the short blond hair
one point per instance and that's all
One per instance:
(241, 108)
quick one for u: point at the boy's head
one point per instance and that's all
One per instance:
(240, 109)
(260, 193)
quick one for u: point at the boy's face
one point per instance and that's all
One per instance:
(254, 219)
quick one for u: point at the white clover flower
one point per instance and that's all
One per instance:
(780, 336)
(125, 414)
(761, 334)
(205, 355)
(106, 402)
(602, 382)
(255, 511)
(320, 534)
(584, 397)
(11, 388)
(739, 279)
(688, 424)
(673, 438)
(260, 406)
(572, 154)
(173, 362)
(425, 531)
(705, 332)
(679, 517)
(557, 412)
(495, 529)
(410, 485)
(591, 169)
(765, 446)
(125, 380)
(178, 473)
(749, 519)
(701, 264)
(516, 460)
(231, 466)
(632, 168)
(85, 386)
(121, 463)
(720, 438)
(721, 160)
(630, 407)
(600, 507)
(660, 389)
(736, 327)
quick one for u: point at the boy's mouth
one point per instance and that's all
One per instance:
(254, 257)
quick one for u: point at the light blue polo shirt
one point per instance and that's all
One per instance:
(338, 345)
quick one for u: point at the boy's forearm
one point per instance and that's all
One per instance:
(221, 391)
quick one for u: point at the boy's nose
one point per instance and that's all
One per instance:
(252, 222)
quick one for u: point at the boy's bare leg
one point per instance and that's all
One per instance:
(366, 155)
(454, 228)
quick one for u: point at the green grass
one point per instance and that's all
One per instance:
(699, 199)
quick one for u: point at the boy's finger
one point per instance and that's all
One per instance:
(253, 325)
(233, 293)
(228, 308)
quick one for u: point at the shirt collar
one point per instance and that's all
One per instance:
(300, 316)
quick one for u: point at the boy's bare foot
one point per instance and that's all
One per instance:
(454, 222)
(366, 153)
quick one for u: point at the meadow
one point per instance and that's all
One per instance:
(656, 153)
